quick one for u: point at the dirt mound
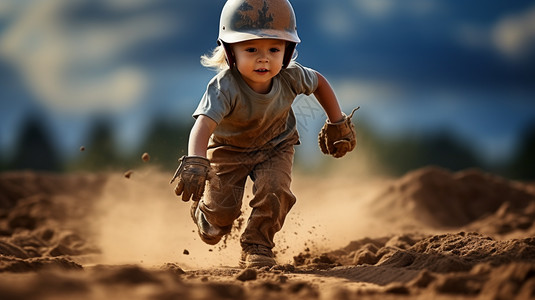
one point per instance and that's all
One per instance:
(48, 247)
(507, 222)
(460, 263)
(43, 219)
(436, 197)
(15, 186)
(17, 265)
(443, 253)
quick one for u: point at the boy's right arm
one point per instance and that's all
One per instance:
(194, 169)
(199, 136)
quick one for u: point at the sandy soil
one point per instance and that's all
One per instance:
(430, 234)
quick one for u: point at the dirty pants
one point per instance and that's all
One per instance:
(270, 172)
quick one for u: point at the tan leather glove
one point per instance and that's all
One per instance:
(337, 139)
(192, 174)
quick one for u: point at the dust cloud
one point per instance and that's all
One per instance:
(139, 220)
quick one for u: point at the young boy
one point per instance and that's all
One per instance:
(245, 127)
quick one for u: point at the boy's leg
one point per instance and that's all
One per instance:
(272, 199)
(221, 204)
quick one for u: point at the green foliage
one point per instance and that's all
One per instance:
(166, 142)
(34, 149)
(3, 160)
(522, 165)
(100, 153)
(408, 152)
(397, 155)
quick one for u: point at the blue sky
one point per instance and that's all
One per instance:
(414, 65)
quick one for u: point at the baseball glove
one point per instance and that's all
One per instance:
(337, 139)
(192, 174)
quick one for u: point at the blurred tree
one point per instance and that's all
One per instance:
(409, 152)
(166, 141)
(522, 164)
(100, 153)
(34, 149)
(3, 165)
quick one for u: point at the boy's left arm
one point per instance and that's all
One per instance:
(327, 99)
(338, 135)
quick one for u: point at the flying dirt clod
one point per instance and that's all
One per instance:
(145, 157)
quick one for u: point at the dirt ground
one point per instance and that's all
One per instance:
(431, 234)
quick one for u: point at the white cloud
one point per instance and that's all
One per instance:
(337, 22)
(375, 8)
(360, 91)
(10, 7)
(75, 69)
(112, 91)
(514, 35)
(422, 7)
(6, 8)
(380, 9)
(128, 4)
(473, 36)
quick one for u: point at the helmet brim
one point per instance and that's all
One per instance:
(236, 37)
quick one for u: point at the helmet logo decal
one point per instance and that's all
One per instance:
(248, 19)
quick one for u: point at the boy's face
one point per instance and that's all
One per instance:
(259, 61)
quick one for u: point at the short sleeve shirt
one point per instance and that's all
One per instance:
(247, 120)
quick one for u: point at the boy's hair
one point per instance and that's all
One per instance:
(215, 60)
(218, 62)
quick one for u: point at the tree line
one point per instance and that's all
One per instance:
(34, 150)
(167, 141)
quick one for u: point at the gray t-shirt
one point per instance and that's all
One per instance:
(248, 120)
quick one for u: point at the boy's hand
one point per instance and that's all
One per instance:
(192, 174)
(337, 139)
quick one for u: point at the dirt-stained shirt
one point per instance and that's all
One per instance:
(247, 120)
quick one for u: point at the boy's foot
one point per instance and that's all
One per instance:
(256, 256)
(208, 233)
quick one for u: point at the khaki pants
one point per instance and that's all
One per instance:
(270, 171)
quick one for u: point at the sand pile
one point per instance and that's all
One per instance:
(465, 235)
(437, 198)
(43, 220)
